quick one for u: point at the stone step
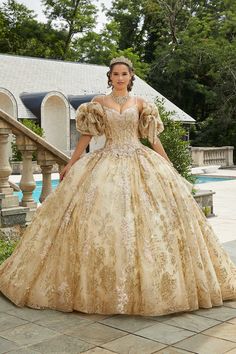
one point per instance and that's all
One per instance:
(13, 216)
(14, 211)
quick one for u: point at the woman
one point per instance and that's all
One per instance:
(122, 232)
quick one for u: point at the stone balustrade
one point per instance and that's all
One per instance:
(11, 210)
(207, 156)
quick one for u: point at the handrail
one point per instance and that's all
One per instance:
(11, 210)
(18, 128)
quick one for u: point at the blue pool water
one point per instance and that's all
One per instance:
(200, 179)
(37, 191)
(207, 179)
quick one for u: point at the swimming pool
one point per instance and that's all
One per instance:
(200, 179)
(37, 191)
(207, 179)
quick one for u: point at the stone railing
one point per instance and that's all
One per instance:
(207, 156)
(11, 211)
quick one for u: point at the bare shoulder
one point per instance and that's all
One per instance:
(98, 99)
(140, 102)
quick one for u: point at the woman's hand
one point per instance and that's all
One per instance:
(64, 172)
(80, 147)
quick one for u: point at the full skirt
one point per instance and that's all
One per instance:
(120, 234)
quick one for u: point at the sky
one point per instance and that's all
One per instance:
(36, 6)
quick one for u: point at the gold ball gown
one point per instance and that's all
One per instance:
(121, 234)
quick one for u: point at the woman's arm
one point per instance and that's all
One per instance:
(83, 142)
(158, 147)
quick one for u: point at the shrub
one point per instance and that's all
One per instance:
(6, 249)
(16, 154)
(174, 144)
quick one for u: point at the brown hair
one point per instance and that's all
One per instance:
(131, 71)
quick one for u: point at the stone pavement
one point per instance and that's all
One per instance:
(224, 224)
(28, 331)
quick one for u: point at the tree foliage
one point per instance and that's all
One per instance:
(22, 34)
(71, 16)
(6, 249)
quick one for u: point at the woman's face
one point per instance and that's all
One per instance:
(120, 76)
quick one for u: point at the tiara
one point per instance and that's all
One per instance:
(121, 60)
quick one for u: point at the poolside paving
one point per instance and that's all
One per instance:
(206, 331)
(29, 331)
(224, 224)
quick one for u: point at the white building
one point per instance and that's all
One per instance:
(49, 91)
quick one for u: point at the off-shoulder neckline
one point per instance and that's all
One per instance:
(145, 104)
(120, 113)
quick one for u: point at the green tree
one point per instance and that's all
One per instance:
(98, 48)
(198, 72)
(74, 17)
(128, 15)
(21, 34)
(13, 18)
(146, 24)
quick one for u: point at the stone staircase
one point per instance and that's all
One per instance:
(12, 211)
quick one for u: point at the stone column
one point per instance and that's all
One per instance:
(10, 211)
(197, 156)
(229, 155)
(47, 182)
(5, 168)
(7, 198)
(27, 184)
(46, 162)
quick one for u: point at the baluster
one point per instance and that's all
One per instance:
(46, 162)
(27, 184)
(223, 158)
(10, 211)
(47, 182)
(28, 143)
(5, 168)
(204, 157)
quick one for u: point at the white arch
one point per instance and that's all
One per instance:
(8, 102)
(55, 120)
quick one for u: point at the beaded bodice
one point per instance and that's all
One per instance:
(121, 129)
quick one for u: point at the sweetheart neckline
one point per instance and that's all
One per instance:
(120, 113)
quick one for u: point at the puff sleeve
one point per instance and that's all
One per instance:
(90, 119)
(150, 123)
